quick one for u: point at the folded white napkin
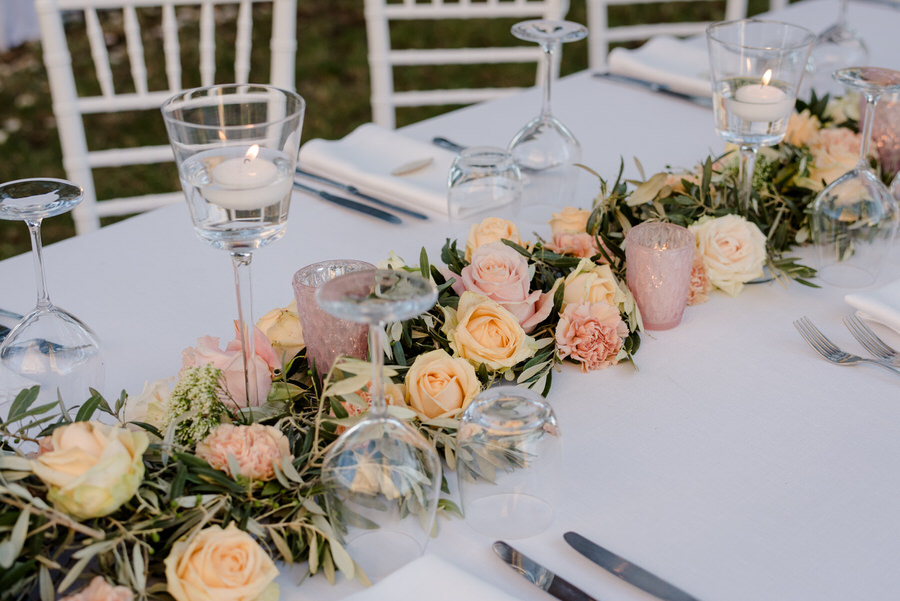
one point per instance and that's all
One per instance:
(881, 305)
(367, 156)
(431, 578)
(682, 65)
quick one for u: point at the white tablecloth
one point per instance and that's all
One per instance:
(734, 462)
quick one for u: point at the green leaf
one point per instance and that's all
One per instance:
(87, 410)
(11, 547)
(22, 402)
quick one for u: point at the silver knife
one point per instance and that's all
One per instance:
(627, 571)
(656, 87)
(539, 575)
(355, 192)
(350, 204)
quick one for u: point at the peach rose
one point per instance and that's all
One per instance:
(490, 230)
(282, 328)
(835, 153)
(100, 590)
(569, 221)
(803, 129)
(230, 361)
(591, 283)
(484, 332)
(582, 245)
(440, 386)
(220, 565)
(255, 448)
(591, 334)
(501, 274)
(91, 468)
(700, 286)
(733, 251)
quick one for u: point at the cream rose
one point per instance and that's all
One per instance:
(803, 129)
(835, 153)
(151, 406)
(220, 565)
(485, 332)
(569, 221)
(592, 283)
(438, 385)
(733, 251)
(490, 230)
(91, 468)
(282, 328)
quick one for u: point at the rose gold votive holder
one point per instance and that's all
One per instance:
(658, 259)
(327, 337)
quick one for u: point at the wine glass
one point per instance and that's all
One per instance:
(854, 219)
(382, 478)
(235, 147)
(49, 346)
(837, 47)
(756, 67)
(545, 149)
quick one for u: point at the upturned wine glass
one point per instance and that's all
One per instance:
(837, 47)
(382, 478)
(236, 147)
(756, 67)
(49, 346)
(854, 219)
(545, 149)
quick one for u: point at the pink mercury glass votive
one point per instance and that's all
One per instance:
(327, 337)
(658, 259)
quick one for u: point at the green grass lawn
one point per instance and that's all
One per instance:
(332, 75)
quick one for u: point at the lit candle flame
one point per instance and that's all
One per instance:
(767, 76)
(252, 153)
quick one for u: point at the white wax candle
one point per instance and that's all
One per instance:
(246, 183)
(760, 102)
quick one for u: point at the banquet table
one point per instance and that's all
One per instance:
(730, 459)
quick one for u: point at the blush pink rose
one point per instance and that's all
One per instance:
(100, 590)
(255, 448)
(262, 366)
(501, 274)
(580, 244)
(591, 334)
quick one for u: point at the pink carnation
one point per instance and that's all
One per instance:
(100, 590)
(700, 286)
(255, 448)
(262, 366)
(591, 334)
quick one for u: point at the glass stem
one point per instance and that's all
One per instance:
(377, 404)
(549, 50)
(243, 290)
(43, 297)
(868, 120)
(842, 15)
(745, 178)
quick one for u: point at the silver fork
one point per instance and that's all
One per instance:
(870, 341)
(819, 343)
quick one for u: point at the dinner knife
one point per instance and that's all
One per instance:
(539, 575)
(627, 571)
(350, 204)
(355, 192)
(656, 87)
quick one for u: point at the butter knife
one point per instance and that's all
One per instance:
(538, 575)
(356, 192)
(349, 204)
(655, 87)
(627, 571)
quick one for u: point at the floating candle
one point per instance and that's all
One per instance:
(761, 102)
(246, 182)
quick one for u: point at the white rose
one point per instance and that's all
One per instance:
(151, 406)
(733, 251)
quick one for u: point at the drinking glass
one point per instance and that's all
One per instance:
(235, 147)
(756, 67)
(482, 178)
(49, 346)
(509, 461)
(854, 219)
(382, 478)
(838, 47)
(545, 149)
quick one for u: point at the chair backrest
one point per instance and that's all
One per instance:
(132, 55)
(601, 34)
(384, 57)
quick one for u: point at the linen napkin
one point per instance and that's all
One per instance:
(432, 578)
(881, 304)
(366, 157)
(682, 65)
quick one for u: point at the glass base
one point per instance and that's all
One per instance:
(383, 551)
(845, 275)
(509, 515)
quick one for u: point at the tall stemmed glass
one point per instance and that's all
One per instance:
(837, 47)
(756, 67)
(49, 346)
(382, 477)
(854, 219)
(236, 146)
(544, 148)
